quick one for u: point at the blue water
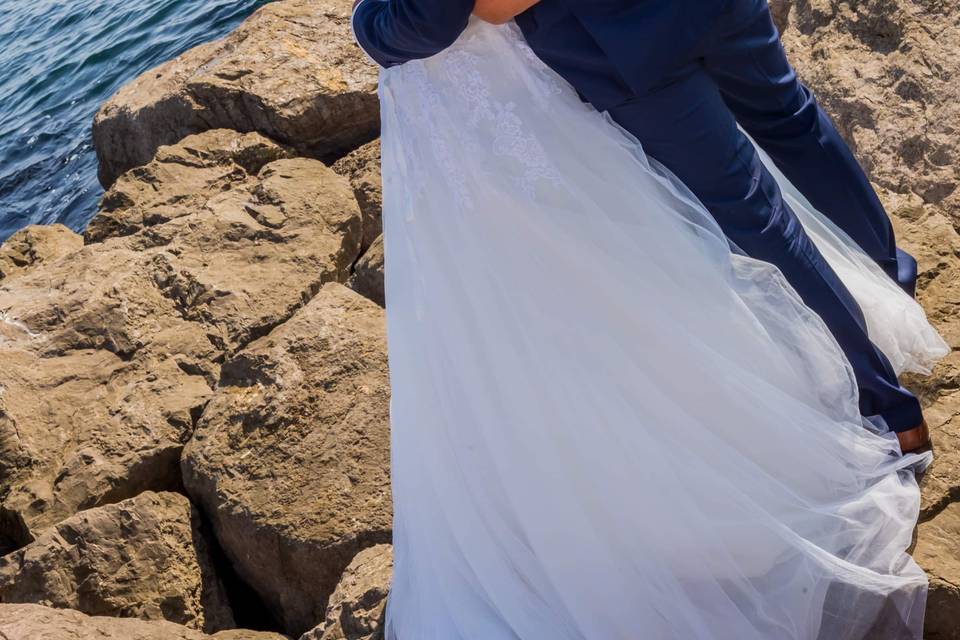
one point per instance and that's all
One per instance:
(59, 60)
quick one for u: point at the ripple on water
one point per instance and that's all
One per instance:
(58, 62)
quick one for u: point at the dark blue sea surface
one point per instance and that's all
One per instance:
(61, 59)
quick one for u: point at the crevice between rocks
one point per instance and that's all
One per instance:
(249, 610)
(14, 533)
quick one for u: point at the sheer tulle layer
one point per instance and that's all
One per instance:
(896, 322)
(605, 425)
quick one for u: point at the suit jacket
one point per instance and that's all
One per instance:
(609, 50)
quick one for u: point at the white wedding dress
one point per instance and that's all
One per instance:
(606, 425)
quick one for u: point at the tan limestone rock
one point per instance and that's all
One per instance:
(291, 457)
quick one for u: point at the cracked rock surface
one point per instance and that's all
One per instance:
(291, 72)
(357, 607)
(108, 356)
(291, 459)
(146, 557)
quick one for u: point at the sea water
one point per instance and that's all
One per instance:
(59, 61)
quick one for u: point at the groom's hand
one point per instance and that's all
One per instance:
(915, 440)
(501, 11)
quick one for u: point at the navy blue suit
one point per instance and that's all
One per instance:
(680, 75)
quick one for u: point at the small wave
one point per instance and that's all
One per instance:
(58, 63)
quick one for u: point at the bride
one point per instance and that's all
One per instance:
(607, 422)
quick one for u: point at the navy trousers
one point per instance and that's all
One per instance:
(688, 121)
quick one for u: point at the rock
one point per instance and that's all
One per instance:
(36, 244)
(291, 71)
(34, 622)
(87, 428)
(250, 247)
(107, 358)
(938, 552)
(886, 71)
(247, 634)
(357, 606)
(362, 167)
(290, 459)
(367, 278)
(141, 558)
(180, 180)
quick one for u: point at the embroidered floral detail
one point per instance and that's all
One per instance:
(430, 103)
(462, 75)
(510, 137)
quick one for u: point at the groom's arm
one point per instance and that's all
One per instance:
(501, 11)
(395, 31)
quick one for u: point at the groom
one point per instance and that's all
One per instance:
(680, 75)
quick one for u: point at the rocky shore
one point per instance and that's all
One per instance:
(194, 437)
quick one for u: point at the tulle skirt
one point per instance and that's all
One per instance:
(896, 323)
(606, 425)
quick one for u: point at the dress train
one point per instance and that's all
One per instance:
(605, 424)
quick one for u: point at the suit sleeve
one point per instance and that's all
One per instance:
(392, 32)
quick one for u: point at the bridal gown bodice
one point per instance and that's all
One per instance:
(607, 425)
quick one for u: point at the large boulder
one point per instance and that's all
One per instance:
(98, 395)
(146, 558)
(36, 244)
(358, 605)
(886, 71)
(87, 428)
(254, 233)
(290, 459)
(181, 180)
(291, 71)
(108, 355)
(35, 622)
